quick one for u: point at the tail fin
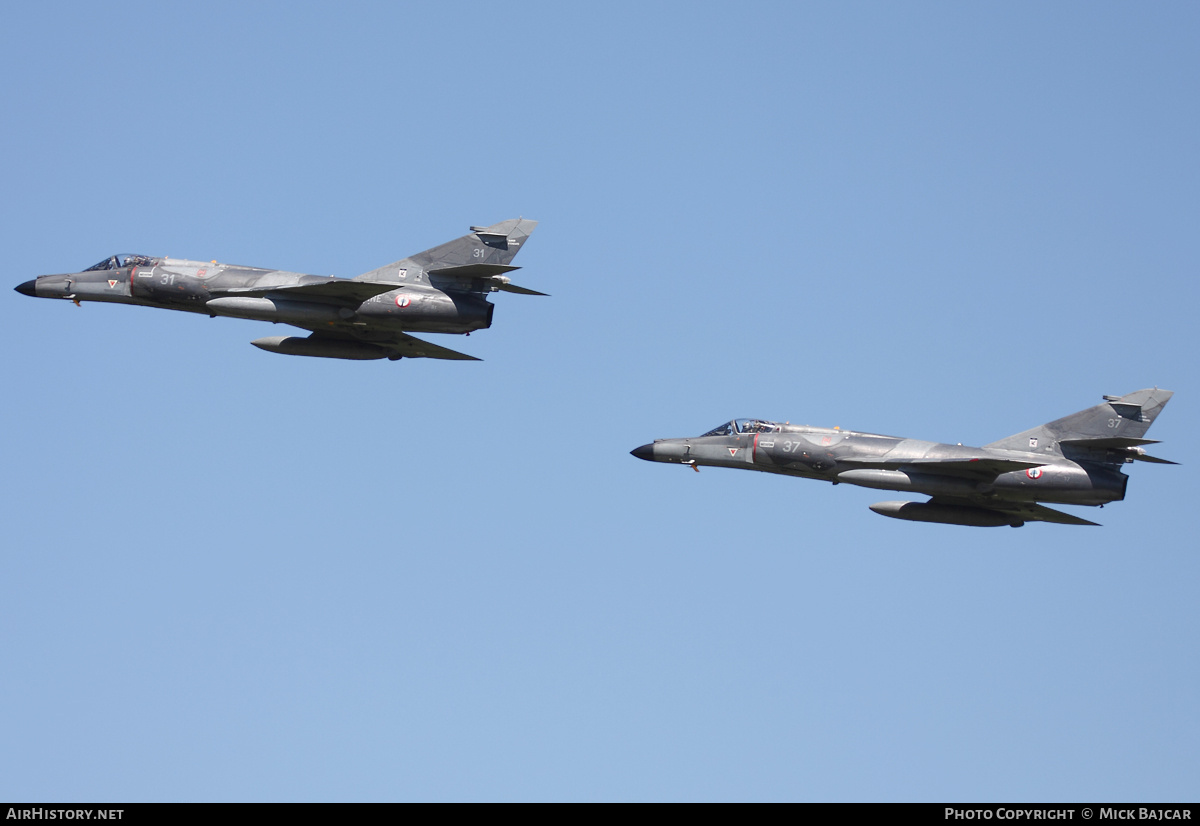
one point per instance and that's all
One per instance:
(485, 253)
(1112, 430)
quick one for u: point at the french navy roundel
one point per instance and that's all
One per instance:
(403, 301)
(1034, 473)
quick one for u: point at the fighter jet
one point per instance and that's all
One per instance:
(441, 290)
(1074, 460)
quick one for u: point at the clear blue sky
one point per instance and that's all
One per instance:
(232, 575)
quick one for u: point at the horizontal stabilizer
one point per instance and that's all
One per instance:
(1143, 457)
(513, 288)
(489, 276)
(337, 290)
(1127, 445)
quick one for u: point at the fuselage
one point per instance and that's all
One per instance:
(873, 460)
(245, 292)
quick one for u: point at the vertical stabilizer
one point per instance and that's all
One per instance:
(494, 246)
(1118, 419)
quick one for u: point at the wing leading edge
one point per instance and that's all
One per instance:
(335, 290)
(978, 469)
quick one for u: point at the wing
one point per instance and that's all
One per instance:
(474, 270)
(1115, 442)
(335, 290)
(977, 469)
(971, 468)
(336, 345)
(1023, 511)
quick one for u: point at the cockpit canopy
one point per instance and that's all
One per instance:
(743, 426)
(122, 260)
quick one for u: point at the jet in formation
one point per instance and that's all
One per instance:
(441, 290)
(1074, 460)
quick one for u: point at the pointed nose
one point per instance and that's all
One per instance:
(28, 288)
(644, 452)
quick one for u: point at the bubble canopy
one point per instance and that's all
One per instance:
(122, 260)
(743, 426)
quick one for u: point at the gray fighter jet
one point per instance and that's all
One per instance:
(1074, 460)
(441, 290)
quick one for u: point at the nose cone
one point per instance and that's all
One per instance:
(28, 288)
(644, 452)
